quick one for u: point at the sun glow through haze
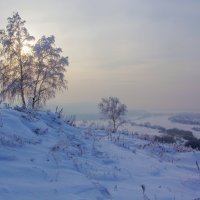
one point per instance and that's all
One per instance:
(27, 47)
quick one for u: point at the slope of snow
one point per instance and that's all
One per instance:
(41, 157)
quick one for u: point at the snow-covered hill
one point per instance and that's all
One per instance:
(41, 157)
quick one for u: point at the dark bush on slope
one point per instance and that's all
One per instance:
(165, 139)
(194, 143)
(187, 135)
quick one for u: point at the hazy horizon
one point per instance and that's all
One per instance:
(144, 52)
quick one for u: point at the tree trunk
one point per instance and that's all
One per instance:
(35, 91)
(114, 126)
(22, 85)
(33, 103)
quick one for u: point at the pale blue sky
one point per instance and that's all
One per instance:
(146, 52)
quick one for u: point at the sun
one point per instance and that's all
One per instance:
(26, 49)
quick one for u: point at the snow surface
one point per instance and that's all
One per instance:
(41, 157)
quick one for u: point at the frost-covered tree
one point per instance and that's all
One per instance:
(15, 64)
(113, 109)
(32, 73)
(48, 74)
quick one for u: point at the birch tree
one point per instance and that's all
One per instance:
(113, 109)
(15, 64)
(48, 71)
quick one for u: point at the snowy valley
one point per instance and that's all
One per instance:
(44, 158)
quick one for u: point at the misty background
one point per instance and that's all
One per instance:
(146, 52)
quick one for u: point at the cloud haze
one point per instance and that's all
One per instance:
(145, 52)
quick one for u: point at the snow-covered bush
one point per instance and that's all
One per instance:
(16, 140)
(70, 120)
(59, 113)
(39, 131)
(6, 105)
